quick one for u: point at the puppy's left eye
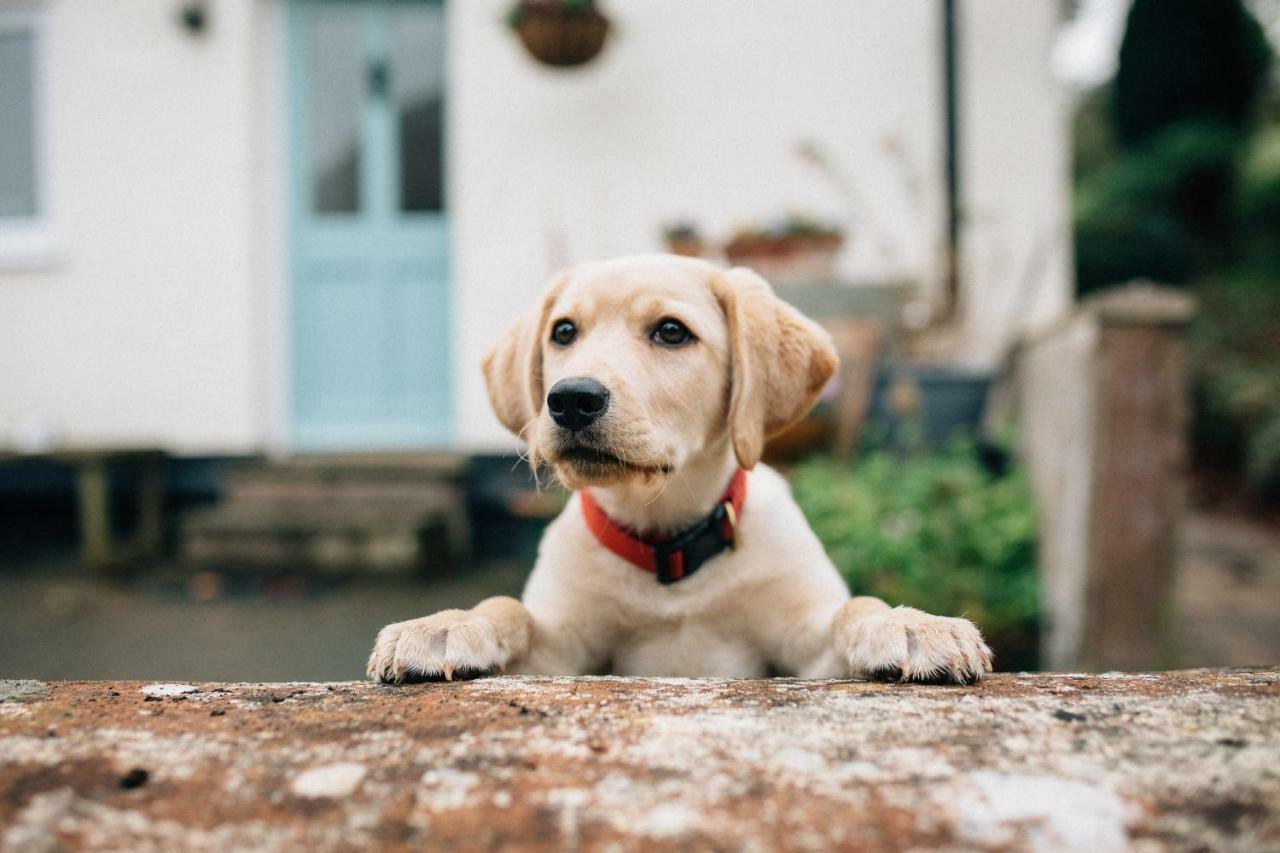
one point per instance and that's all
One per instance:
(671, 333)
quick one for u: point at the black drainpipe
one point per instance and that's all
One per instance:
(951, 292)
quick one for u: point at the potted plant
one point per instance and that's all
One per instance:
(797, 249)
(560, 33)
(683, 238)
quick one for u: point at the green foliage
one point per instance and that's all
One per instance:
(1259, 200)
(1182, 170)
(1111, 249)
(794, 224)
(934, 530)
(1157, 183)
(1236, 364)
(1188, 60)
(1160, 211)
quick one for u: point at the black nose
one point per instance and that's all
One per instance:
(576, 403)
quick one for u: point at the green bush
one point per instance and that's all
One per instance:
(1112, 249)
(934, 530)
(1161, 211)
(1162, 174)
(1235, 358)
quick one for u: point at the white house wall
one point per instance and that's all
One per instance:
(1015, 174)
(141, 328)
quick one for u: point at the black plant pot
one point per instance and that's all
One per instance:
(948, 402)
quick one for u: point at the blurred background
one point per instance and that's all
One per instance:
(252, 251)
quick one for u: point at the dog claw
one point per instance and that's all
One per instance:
(451, 645)
(907, 645)
(888, 674)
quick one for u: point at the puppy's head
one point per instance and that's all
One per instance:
(631, 368)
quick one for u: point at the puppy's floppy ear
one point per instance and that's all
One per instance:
(780, 361)
(513, 368)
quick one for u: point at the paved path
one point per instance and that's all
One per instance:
(57, 623)
(1228, 592)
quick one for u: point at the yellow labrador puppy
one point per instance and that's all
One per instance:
(650, 384)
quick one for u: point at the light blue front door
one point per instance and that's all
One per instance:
(369, 295)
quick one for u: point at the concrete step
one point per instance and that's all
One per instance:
(357, 476)
(334, 514)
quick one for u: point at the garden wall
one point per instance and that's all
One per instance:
(1051, 762)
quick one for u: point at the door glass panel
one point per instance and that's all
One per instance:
(336, 91)
(417, 59)
(17, 124)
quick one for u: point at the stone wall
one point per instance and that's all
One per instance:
(1184, 760)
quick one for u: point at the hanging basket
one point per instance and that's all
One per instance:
(562, 37)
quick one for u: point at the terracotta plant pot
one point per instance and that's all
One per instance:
(563, 38)
(788, 259)
(686, 246)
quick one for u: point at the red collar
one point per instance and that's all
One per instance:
(672, 558)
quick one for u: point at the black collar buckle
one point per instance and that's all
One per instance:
(683, 554)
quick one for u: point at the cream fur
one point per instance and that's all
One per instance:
(682, 419)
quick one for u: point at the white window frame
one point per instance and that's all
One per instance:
(31, 242)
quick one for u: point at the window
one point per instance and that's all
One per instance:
(337, 74)
(24, 215)
(418, 91)
(18, 132)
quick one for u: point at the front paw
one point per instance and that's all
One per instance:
(450, 642)
(905, 644)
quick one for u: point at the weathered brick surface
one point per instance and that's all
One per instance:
(1187, 760)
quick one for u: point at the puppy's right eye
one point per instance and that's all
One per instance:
(563, 333)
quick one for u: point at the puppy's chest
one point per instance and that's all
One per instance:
(690, 647)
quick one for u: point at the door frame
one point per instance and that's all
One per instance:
(285, 132)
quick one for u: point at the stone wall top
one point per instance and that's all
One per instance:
(1178, 760)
